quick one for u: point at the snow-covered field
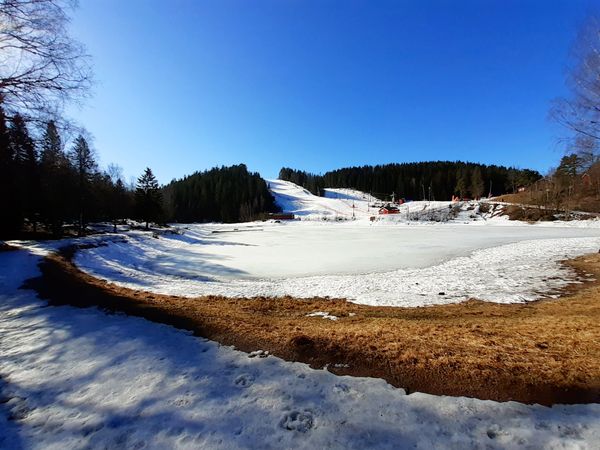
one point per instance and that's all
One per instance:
(79, 378)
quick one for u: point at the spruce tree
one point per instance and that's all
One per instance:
(84, 165)
(461, 183)
(477, 185)
(54, 178)
(119, 205)
(11, 213)
(148, 198)
(26, 164)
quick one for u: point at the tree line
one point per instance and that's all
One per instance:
(436, 180)
(45, 187)
(50, 188)
(225, 194)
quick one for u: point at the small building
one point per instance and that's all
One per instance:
(389, 209)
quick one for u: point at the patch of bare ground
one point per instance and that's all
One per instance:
(542, 352)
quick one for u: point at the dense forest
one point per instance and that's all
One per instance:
(438, 180)
(226, 194)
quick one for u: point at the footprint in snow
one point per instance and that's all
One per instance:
(341, 388)
(297, 421)
(244, 380)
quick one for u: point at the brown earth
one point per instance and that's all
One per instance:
(580, 202)
(541, 352)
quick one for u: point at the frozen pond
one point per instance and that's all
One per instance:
(398, 264)
(308, 248)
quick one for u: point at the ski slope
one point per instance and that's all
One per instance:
(337, 203)
(343, 204)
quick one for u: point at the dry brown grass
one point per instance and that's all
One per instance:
(545, 352)
(581, 202)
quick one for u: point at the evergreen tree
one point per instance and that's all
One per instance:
(148, 198)
(570, 165)
(11, 211)
(56, 180)
(477, 186)
(26, 165)
(120, 203)
(462, 183)
(85, 167)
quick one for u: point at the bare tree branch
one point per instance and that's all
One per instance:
(41, 66)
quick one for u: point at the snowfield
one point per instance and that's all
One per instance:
(79, 378)
(396, 264)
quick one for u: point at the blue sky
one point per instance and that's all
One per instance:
(185, 85)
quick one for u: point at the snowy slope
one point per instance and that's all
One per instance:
(345, 204)
(342, 203)
(295, 199)
(349, 194)
(79, 378)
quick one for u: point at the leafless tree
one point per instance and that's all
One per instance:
(41, 66)
(580, 112)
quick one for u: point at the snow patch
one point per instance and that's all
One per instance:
(324, 315)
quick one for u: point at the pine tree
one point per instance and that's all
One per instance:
(461, 183)
(51, 145)
(25, 157)
(11, 212)
(55, 177)
(148, 198)
(84, 164)
(570, 166)
(477, 185)
(119, 205)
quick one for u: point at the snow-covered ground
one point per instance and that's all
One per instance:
(79, 378)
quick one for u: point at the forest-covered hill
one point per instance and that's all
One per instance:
(435, 180)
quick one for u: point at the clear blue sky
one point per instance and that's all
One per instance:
(186, 85)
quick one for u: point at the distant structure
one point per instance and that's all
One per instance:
(282, 216)
(389, 209)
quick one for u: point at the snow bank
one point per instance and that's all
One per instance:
(79, 378)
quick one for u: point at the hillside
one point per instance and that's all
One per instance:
(345, 204)
(433, 180)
